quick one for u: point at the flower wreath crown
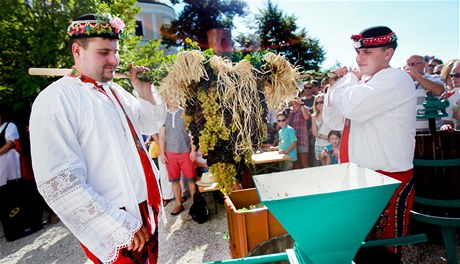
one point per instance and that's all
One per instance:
(104, 26)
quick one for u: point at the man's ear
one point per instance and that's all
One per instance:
(389, 53)
(76, 49)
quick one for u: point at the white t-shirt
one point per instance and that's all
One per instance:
(420, 93)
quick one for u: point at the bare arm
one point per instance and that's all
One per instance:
(293, 145)
(436, 88)
(9, 145)
(163, 145)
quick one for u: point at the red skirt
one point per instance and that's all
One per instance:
(394, 221)
(148, 255)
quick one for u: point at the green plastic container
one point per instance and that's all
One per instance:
(327, 210)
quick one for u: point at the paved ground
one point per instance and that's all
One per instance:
(182, 240)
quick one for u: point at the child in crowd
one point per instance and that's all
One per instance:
(287, 141)
(330, 153)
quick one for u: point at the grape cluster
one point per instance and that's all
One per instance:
(224, 174)
(222, 152)
(214, 129)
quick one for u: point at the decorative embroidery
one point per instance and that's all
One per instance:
(360, 42)
(84, 215)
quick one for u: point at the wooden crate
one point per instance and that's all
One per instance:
(247, 229)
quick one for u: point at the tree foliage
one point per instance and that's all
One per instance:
(278, 32)
(197, 17)
(34, 35)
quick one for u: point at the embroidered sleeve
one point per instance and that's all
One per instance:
(95, 223)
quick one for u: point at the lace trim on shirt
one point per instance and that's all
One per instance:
(102, 228)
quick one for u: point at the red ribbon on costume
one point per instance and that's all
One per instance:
(343, 152)
(153, 191)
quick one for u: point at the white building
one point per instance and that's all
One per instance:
(153, 14)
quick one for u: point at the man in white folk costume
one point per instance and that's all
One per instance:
(374, 106)
(89, 159)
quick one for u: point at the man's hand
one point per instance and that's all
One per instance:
(164, 160)
(142, 88)
(412, 72)
(139, 240)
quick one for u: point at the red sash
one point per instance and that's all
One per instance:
(343, 152)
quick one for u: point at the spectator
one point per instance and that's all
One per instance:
(287, 142)
(437, 69)
(178, 154)
(88, 155)
(201, 165)
(324, 82)
(378, 103)
(453, 111)
(297, 119)
(308, 100)
(10, 168)
(423, 82)
(316, 87)
(320, 129)
(445, 75)
(330, 153)
(432, 63)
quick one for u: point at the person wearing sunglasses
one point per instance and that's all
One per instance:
(378, 102)
(287, 142)
(452, 120)
(424, 82)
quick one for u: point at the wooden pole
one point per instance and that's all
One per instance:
(61, 72)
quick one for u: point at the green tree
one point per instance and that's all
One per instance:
(197, 17)
(278, 32)
(33, 35)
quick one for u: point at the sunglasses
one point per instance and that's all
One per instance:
(414, 63)
(455, 75)
(431, 65)
(308, 87)
(281, 120)
(320, 102)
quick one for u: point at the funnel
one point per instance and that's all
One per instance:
(327, 210)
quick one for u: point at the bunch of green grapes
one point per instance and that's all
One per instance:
(214, 129)
(188, 119)
(223, 174)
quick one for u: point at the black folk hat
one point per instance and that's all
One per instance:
(96, 25)
(374, 37)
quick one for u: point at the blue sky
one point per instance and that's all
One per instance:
(423, 27)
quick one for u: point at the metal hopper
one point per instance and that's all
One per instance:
(327, 210)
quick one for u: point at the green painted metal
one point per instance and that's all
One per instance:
(433, 107)
(448, 226)
(437, 163)
(256, 259)
(325, 209)
(413, 239)
(437, 202)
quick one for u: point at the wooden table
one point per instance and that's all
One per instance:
(209, 190)
(268, 160)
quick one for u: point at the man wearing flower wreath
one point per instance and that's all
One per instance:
(377, 103)
(89, 159)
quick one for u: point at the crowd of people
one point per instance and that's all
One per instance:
(93, 168)
(304, 114)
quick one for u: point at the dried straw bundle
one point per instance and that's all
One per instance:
(237, 89)
(188, 68)
(282, 80)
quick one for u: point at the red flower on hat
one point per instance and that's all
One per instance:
(356, 37)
